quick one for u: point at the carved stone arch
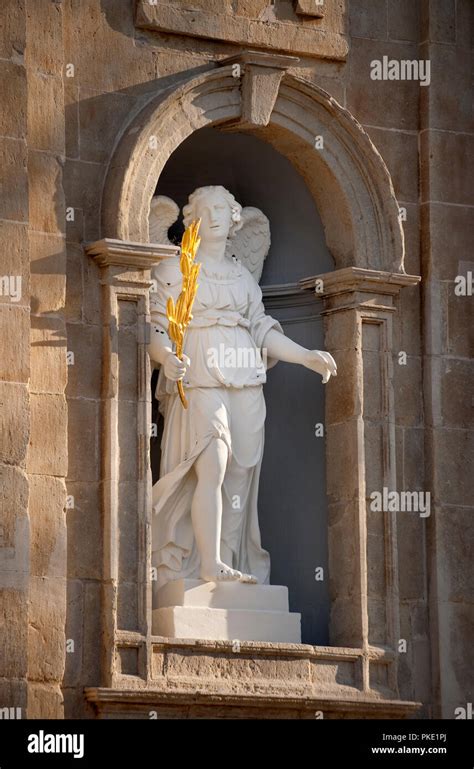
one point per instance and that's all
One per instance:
(348, 178)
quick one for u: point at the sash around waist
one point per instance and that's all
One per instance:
(227, 318)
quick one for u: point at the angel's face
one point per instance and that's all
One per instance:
(216, 217)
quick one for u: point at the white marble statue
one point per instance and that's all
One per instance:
(205, 523)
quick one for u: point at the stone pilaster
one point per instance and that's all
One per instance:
(360, 434)
(125, 469)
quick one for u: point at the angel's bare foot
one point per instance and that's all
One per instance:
(249, 578)
(219, 572)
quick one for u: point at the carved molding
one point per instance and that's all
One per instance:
(305, 34)
(140, 256)
(349, 181)
(352, 279)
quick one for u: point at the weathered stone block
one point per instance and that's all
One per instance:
(45, 701)
(456, 633)
(399, 150)
(403, 20)
(343, 562)
(373, 384)
(346, 624)
(16, 423)
(457, 377)
(387, 103)
(15, 488)
(450, 107)
(74, 632)
(49, 370)
(368, 18)
(451, 234)
(343, 397)
(92, 305)
(45, 36)
(91, 657)
(84, 375)
(47, 451)
(14, 188)
(47, 616)
(411, 546)
(13, 99)
(84, 528)
(48, 272)
(464, 24)
(455, 541)
(83, 440)
(74, 223)
(460, 323)
(447, 160)
(47, 209)
(374, 451)
(413, 460)
(411, 229)
(453, 482)
(71, 112)
(438, 21)
(407, 387)
(97, 132)
(15, 262)
(377, 611)
(342, 476)
(13, 30)
(13, 628)
(14, 331)
(45, 112)
(408, 322)
(74, 284)
(47, 526)
(82, 188)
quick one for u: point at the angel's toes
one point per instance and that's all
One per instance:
(250, 579)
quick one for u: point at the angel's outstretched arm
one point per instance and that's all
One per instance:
(282, 348)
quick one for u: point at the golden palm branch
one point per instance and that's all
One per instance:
(180, 314)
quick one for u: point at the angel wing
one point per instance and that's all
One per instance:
(251, 243)
(163, 214)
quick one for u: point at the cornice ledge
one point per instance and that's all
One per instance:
(350, 279)
(129, 255)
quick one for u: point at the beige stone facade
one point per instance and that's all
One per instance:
(97, 95)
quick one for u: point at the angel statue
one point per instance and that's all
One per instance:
(205, 523)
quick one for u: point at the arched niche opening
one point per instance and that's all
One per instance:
(292, 496)
(352, 190)
(347, 177)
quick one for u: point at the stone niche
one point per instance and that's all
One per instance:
(357, 674)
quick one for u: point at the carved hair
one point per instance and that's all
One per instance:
(189, 211)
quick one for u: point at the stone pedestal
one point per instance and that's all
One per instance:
(225, 611)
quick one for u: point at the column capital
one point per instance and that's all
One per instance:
(357, 287)
(111, 252)
(349, 279)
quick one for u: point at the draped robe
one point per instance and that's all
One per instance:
(224, 389)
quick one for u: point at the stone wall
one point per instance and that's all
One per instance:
(446, 148)
(34, 373)
(86, 71)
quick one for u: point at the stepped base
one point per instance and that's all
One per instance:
(225, 611)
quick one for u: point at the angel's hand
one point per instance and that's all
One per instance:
(175, 368)
(322, 362)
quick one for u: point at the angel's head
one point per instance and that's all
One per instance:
(220, 214)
